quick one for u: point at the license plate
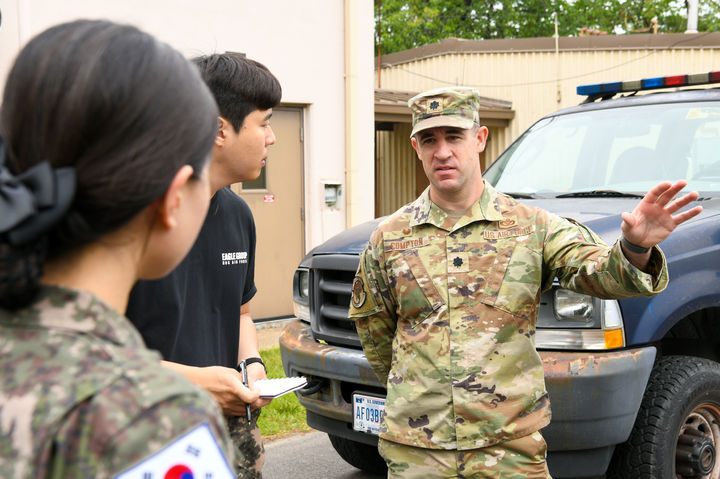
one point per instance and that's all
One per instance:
(367, 411)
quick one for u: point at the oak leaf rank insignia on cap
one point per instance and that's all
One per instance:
(449, 106)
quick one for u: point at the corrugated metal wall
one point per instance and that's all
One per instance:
(395, 174)
(498, 139)
(531, 80)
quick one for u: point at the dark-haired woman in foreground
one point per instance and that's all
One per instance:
(107, 133)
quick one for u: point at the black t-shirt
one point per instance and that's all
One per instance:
(192, 315)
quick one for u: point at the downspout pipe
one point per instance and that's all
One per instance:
(692, 16)
(359, 112)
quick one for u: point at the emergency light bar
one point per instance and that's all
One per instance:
(602, 89)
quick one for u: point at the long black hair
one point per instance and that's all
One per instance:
(123, 109)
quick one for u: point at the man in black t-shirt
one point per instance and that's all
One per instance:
(198, 317)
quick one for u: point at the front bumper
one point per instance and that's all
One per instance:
(344, 370)
(594, 396)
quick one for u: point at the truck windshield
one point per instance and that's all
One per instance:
(614, 151)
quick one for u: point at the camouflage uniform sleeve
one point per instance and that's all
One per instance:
(584, 263)
(372, 306)
(162, 424)
(121, 427)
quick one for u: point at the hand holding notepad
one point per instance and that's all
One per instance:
(272, 388)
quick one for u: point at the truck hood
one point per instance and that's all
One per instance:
(350, 241)
(602, 215)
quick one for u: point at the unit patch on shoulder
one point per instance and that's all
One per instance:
(358, 293)
(194, 454)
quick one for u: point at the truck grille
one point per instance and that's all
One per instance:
(330, 300)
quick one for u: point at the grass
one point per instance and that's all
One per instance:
(284, 415)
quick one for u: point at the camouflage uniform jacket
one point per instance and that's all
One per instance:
(446, 314)
(81, 396)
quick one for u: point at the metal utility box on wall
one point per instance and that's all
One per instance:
(333, 192)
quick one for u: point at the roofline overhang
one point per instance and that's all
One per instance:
(451, 46)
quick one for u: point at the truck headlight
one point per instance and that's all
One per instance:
(301, 294)
(304, 283)
(569, 320)
(571, 306)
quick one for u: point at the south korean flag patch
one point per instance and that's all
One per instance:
(195, 454)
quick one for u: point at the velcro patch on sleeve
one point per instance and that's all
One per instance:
(194, 454)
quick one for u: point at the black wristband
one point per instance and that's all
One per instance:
(249, 361)
(633, 247)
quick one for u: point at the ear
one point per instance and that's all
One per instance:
(415, 146)
(482, 136)
(224, 129)
(169, 204)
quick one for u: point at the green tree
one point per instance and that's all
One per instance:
(709, 16)
(404, 24)
(624, 16)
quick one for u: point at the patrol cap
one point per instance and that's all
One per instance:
(449, 106)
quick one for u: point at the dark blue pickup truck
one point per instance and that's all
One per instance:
(634, 384)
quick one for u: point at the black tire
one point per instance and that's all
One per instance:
(680, 413)
(363, 456)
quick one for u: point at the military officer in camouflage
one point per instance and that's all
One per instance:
(446, 296)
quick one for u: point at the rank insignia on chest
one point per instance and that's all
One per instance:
(458, 262)
(358, 293)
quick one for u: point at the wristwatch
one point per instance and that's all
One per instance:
(255, 359)
(633, 247)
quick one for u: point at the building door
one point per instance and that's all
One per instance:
(276, 201)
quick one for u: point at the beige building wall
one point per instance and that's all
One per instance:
(539, 81)
(321, 51)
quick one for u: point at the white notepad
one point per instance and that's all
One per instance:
(272, 388)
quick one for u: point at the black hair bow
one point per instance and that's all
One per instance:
(34, 201)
